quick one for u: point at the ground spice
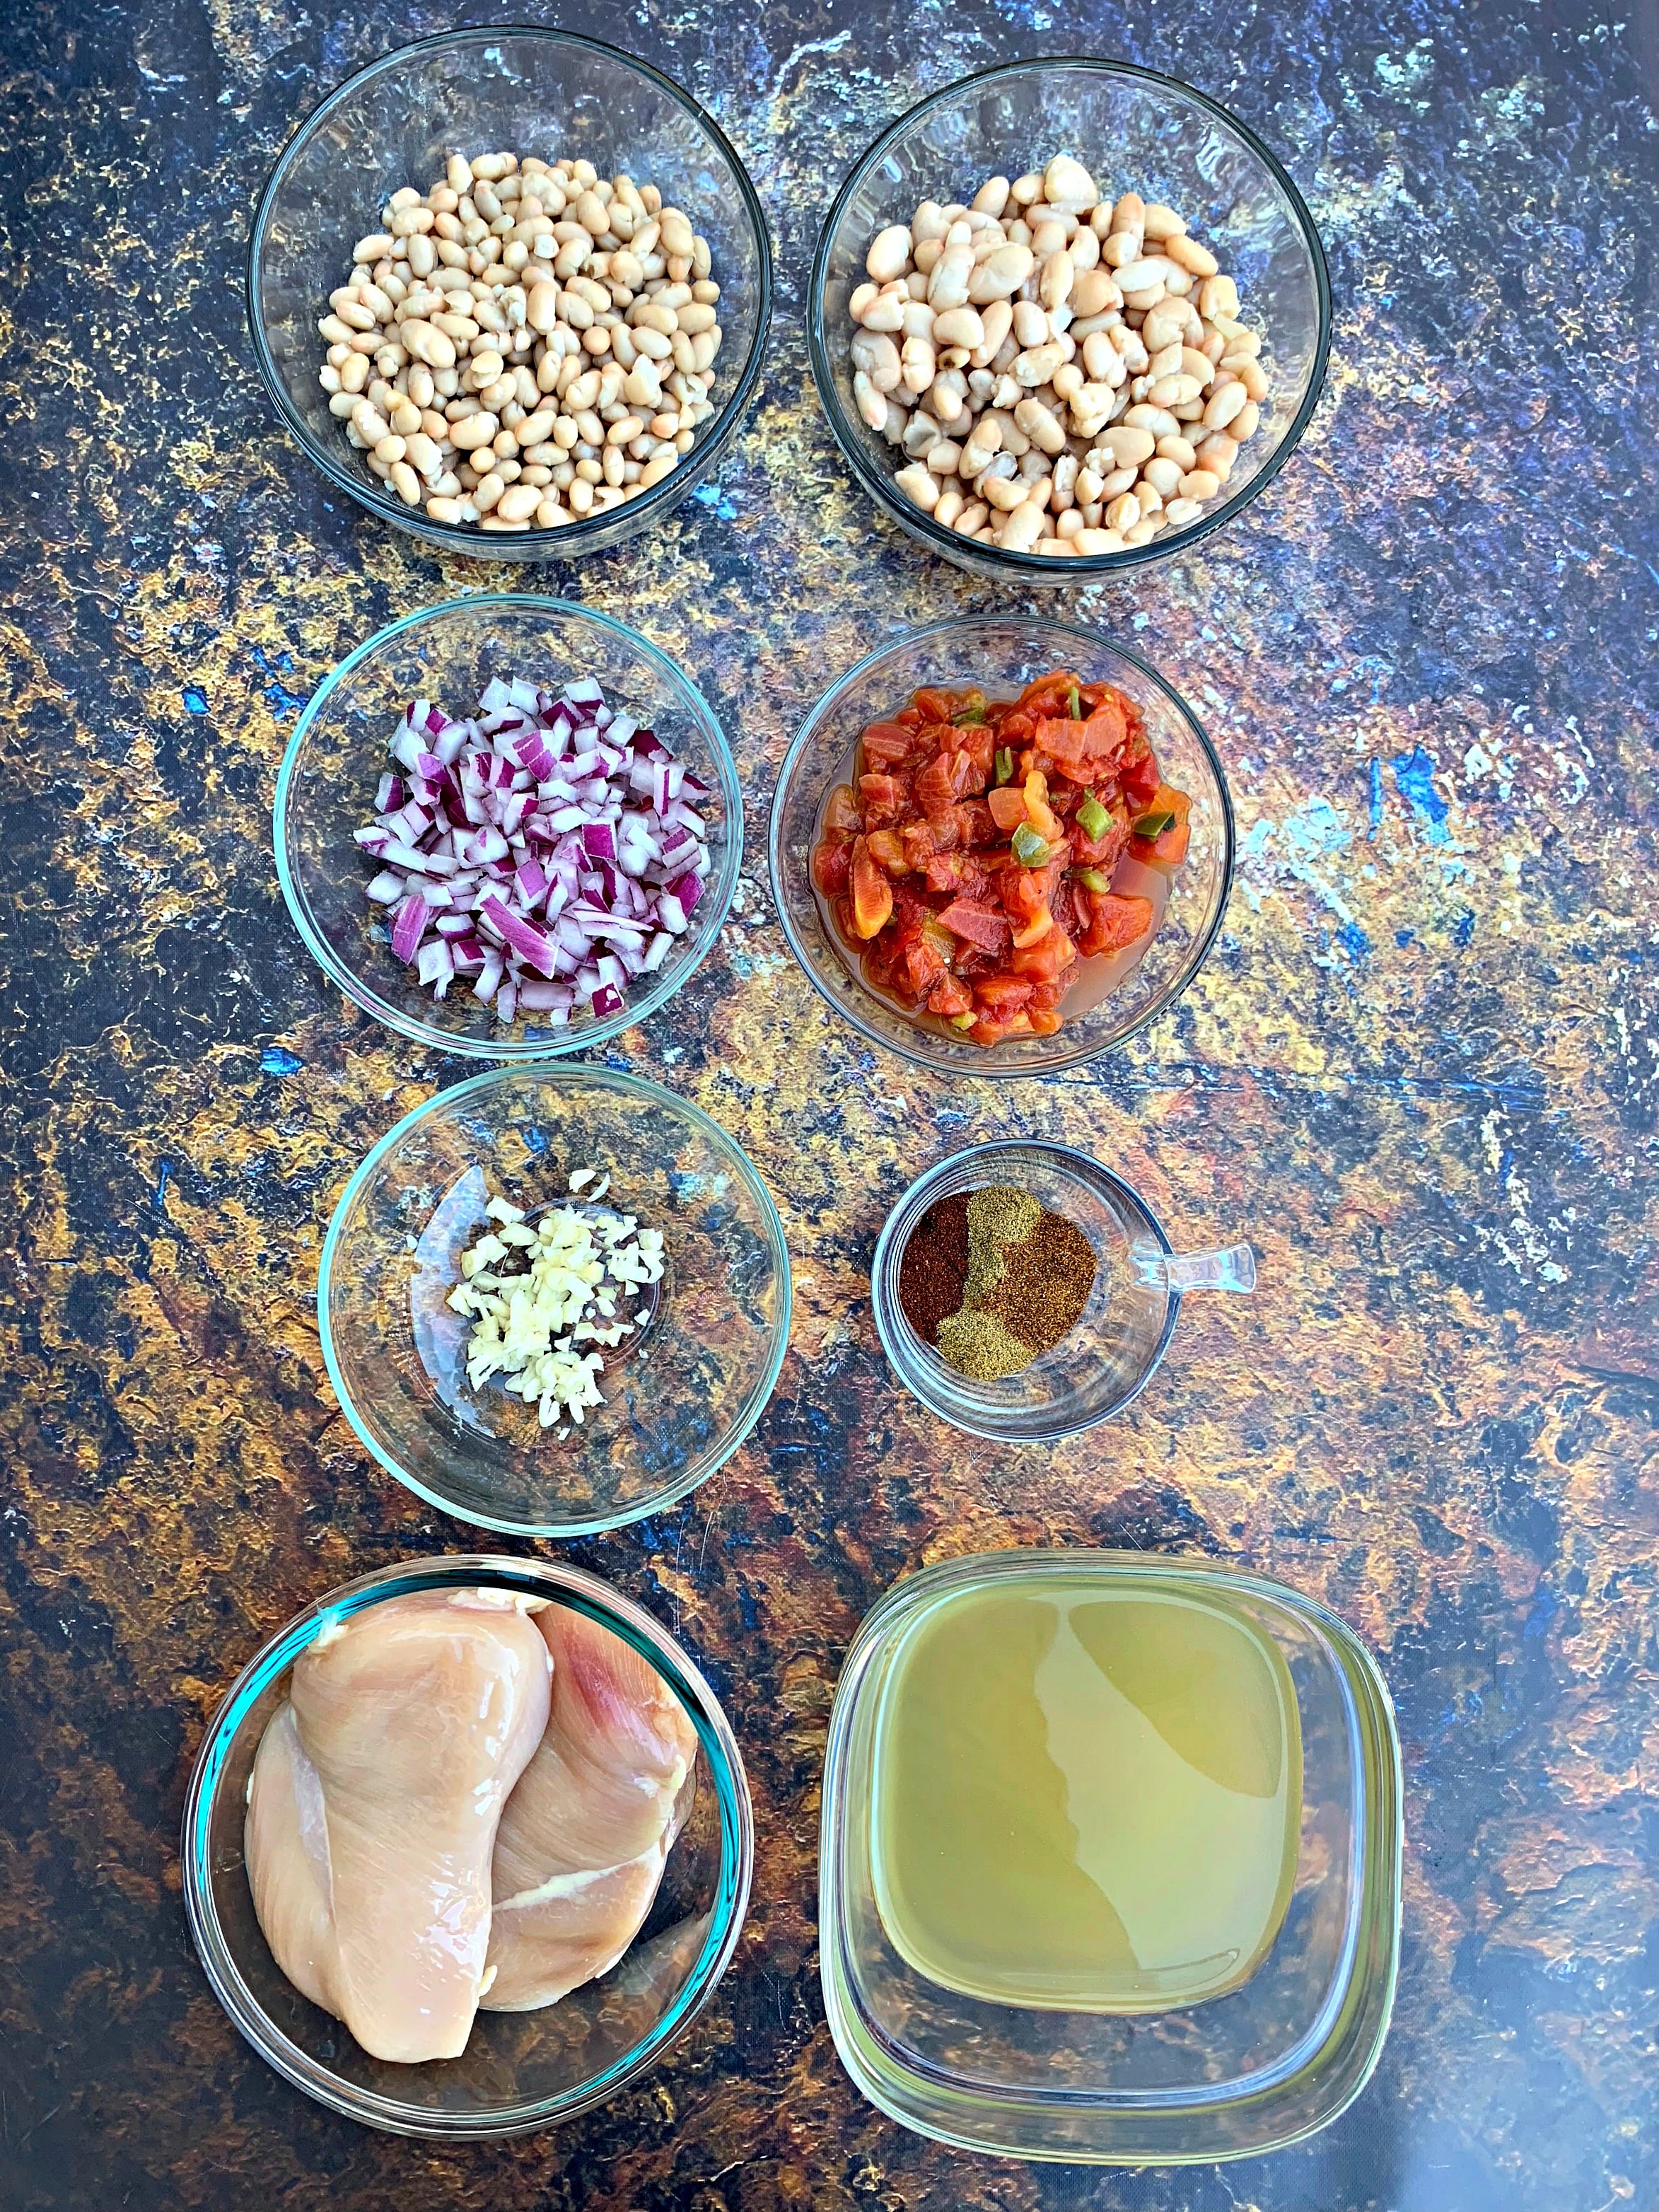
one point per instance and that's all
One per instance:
(975, 1343)
(995, 1281)
(998, 1215)
(1047, 1278)
(933, 1266)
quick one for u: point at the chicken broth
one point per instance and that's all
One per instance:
(1086, 1802)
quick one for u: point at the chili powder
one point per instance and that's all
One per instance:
(933, 1266)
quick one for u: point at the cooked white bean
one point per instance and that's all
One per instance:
(1057, 353)
(889, 253)
(458, 347)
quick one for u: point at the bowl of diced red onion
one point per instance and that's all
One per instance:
(509, 827)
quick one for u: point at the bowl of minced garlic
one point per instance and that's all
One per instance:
(993, 1279)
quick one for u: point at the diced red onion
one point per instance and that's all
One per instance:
(545, 806)
(408, 927)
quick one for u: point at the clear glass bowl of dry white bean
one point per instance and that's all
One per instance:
(1067, 317)
(509, 290)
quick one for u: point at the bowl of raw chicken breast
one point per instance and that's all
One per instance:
(467, 1847)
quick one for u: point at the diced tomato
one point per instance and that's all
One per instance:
(950, 995)
(976, 925)
(886, 741)
(1025, 891)
(1007, 807)
(974, 823)
(944, 780)
(951, 872)
(1103, 852)
(1050, 694)
(1051, 955)
(1140, 782)
(978, 741)
(873, 895)
(1169, 848)
(1076, 748)
(832, 866)
(987, 1031)
(1116, 920)
(886, 798)
(922, 965)
(914, 856)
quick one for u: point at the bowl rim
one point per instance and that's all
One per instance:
(573, 539)
(907, 1212)
(511, 1049)
(596, 1600)
(1379, 1841)
(611, 1078)
(852, 1012)
(1095, 567)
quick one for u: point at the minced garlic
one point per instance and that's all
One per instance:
(528, 1322)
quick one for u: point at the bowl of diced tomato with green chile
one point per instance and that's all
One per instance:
(1000, 845)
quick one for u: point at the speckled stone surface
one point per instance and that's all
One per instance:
(1421, 1074)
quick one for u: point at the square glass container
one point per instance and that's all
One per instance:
(1253, 2070)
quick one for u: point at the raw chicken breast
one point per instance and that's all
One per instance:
(415, 1720)
(586, 1834)
(285, 1844)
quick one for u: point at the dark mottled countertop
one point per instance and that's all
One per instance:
(1421, 1074)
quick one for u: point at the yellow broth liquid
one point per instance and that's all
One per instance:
(1086, 1801)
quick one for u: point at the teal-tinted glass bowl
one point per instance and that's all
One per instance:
(325, 791)
(520, 2070)
(676, 1408)
(1254, 2070)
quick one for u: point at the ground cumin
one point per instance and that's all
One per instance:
(993, 1280)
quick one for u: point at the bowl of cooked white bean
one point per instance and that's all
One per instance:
(509, 290)
(1067, 317)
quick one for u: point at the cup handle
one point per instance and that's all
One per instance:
(1232, 1268)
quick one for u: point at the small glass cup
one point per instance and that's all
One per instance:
(497, 88)
(520, 2070)
(1256, 2069)
(1132, 128)
(1106, 1359)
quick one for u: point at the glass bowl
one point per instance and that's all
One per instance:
(325, 791)
(1165, 141)
(515, 89)
(1106, 1360)
(1253, 2070)
(520, 2070)
(1001, 654)
(678, 1402)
